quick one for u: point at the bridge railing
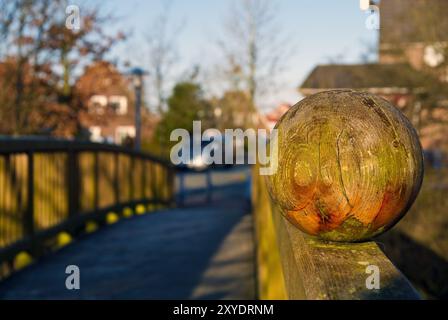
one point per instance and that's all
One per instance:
(53, 186)
(293, 265)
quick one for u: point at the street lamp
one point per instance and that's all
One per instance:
(137, 75)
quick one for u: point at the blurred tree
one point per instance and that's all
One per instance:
(232, 111)
(74, 50)
(254, 51)
(81, 47)
(37, 56)
(162, 53)
(185, 105)
(22, 25)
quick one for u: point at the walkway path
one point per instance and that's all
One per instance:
(196, 252)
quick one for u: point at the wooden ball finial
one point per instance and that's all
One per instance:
(350, 165)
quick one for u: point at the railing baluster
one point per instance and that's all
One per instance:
(96, 181)
(116, 178)
(143, 182)
(131, 179)
(28, 222)
(73, 183)
(155, 192)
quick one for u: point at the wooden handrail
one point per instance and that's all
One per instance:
(36, 144)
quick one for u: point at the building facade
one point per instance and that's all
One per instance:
(109, 114)
(412, 61)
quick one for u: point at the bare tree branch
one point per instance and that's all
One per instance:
(254, 50)
(162, 52)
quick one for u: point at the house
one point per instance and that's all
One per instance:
(108, 98)
(395, 82)
(414, 32)
(412, 50)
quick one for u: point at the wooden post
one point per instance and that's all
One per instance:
(155, 191)
(293, 265)
(29, 213)
(96, 181)
(116, 178)
(73, 182)
(143, 183)
(131, 180)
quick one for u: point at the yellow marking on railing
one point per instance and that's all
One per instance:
(22, 260)
(112, 218)
(127, 212)
(91, 226)
(63, 239)
(140, 209)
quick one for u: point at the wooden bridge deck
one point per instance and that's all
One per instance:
(197, 252)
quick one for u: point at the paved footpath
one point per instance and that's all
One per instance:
(197, 252)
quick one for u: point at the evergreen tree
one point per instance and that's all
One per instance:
(185, 105)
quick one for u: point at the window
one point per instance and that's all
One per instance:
(97, 104)
(119, 104)
(95, 134)
(124, 132)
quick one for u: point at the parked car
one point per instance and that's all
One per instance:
(203, 160)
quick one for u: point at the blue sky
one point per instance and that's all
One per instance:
(322, 31)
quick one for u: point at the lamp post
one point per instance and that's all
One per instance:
(137, 80)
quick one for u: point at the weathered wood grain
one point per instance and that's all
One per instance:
(270, 284)
(293, 265)
(349, 165)
(316, 269)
